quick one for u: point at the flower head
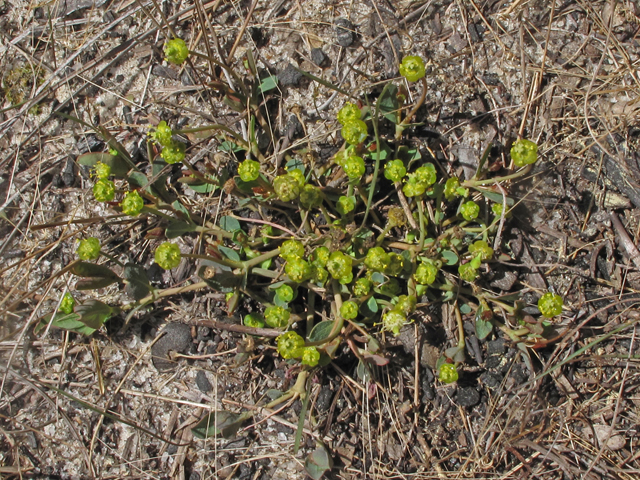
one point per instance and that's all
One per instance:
(104, 190)
(168, 255)
(412, 68)
(176, 51)
(89, 249)
(132, 203)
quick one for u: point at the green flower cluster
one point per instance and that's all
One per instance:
(340, 267)
(412, 68)
(176, 51)
(249, 170)
(132, 203)
(173, 151)
(168, 255)
(104, 190)
(291, 345)
(550, 305)
(524, 152)
(418, 181)
(88, 249)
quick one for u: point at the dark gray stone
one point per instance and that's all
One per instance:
(345, 32)
(318, 56)
(491, 380)
(289, 76)
(176, 337)
(468, 397)
(324, 399)
(496, 347)
(203, 382)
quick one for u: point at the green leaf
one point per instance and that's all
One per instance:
(223, 280)
(66, 321)
(321, 331)
(295, 163)
(229, 224)
(119, 167)
(465, 309)
(177, 228)
(221, 423)
(203, 188)
(268, 83)
(450, 257)
(409, 154)
(138, 281)
(94, 283)
(369, 308)
(483, 328)
(230, 147)
(230, 253)
(388, 103)
(181, 208)
(496, 197)
(93, 313)
(95, 276)
(137, 179)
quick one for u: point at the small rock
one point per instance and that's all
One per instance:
(324, 399)
(468, 397)
(491, 380)
(289, 76)
(505, 280)
(203, 382)
(164, 72)
(345, 32)
(496, 347)
(176, 337)
(605, 434)
(194, 476)
(493, 361)
(318, 56)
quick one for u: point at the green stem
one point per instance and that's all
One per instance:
(401, 126)
(172, 291)
(338, 323)
(220, 261)
(491, 181)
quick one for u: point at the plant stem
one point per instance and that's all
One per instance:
(490, 181)
(401, 126)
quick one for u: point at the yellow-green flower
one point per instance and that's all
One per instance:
(89, 249)
(176, 51)
(168, 255)
(132, 203)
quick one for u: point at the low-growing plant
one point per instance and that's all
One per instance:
(335, 259)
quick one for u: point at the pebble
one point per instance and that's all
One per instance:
(289, 76)
(468, 397)
(345, 32)
(177, 338)
(318, 56)
(203, 382)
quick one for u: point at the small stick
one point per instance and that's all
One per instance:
(625, 240)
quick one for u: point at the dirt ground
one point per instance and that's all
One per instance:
(121, 402)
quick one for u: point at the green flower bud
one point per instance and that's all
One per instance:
(482, 248)
(450, 188)
(286, 187)
(101, 170)
(470, 210)
(89, 249)
(277, 317)
(396, 264)
(345, 205)
(406, 304)
(320, 256)
(340, 266)
(176, 51)
(349, 113)
(162, 134)
(353, 167)
(412, 68)
(168, 255)
(395, 170)
(291, 249)
(253, 320)
(284, 292)
(550, 305)
(426, 174)
(349, 310)
(524, 152)
(67, 304)
(426, 273)
(104, 190)
(468, 272)
(393, 321)
(377, 259)
(310, 197)
(413, 188)
(173, 152)
(362, 287)
(448, 373)
(496, 208)
(319, 275)
(298, 175)
(298, 269)
(354, 132)
(132, 203)
(290, 345)
(310, 356)
(249, 170)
